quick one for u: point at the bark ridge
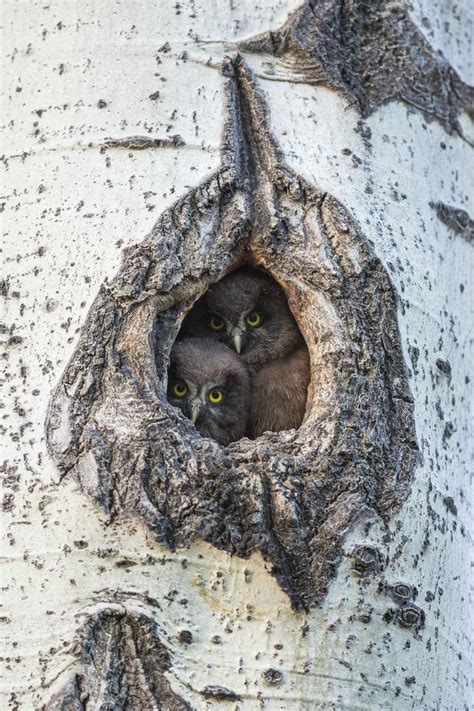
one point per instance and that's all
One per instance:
(122, 667)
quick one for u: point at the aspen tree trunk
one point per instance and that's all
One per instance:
(343, 582)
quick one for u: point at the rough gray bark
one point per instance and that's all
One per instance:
(122, 667)
(370, 51)
(291, 495)
(95, 612)
(457, 220)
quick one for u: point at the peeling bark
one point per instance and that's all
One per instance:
(292, 495)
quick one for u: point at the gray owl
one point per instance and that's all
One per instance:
(248, 311)
(210, 385)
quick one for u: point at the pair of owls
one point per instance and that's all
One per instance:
(240, 366)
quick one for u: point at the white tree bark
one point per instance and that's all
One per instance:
(77, 74)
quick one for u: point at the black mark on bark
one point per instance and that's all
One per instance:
(220, 693)
(272, 676)
(457, 220)
(448, 501)
(140, 143)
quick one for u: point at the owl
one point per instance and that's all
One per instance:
(248, 311)
(209, 383)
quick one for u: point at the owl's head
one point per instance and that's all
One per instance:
(210, 385)
(248, 311)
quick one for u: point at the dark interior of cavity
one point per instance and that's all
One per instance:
(240, 366)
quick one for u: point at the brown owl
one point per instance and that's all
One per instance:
(248, 311)
(209, 383)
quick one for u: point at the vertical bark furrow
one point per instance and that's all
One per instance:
(122, 667)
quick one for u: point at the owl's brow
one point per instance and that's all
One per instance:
(211, 384)
(215, 313)
(259, 306)
(230, 380)
(173, 378)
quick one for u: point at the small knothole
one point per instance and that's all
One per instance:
(239, 366)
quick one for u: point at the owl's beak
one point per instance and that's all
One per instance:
(195, 409)
(237, 340)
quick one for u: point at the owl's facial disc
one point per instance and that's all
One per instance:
(209, 383)
(203, 402)
(241, 335)
(237, 333)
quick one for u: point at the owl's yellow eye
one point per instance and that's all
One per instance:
(180, 389)
(216, 323)
(253, 319)
(215, 396)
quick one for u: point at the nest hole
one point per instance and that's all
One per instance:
(240, 366)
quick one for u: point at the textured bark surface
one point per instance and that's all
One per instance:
(114, 110)
(370, 51)
(457, 220)
(122, 667)
(291, 495)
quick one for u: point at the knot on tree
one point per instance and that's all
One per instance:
(407, 615)
(366, 560)
(291, 495)
(399, 592)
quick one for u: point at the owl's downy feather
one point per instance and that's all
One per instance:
(205, 366)
(273, 351)
(279, 391)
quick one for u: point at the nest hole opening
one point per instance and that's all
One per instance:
(239, 366)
